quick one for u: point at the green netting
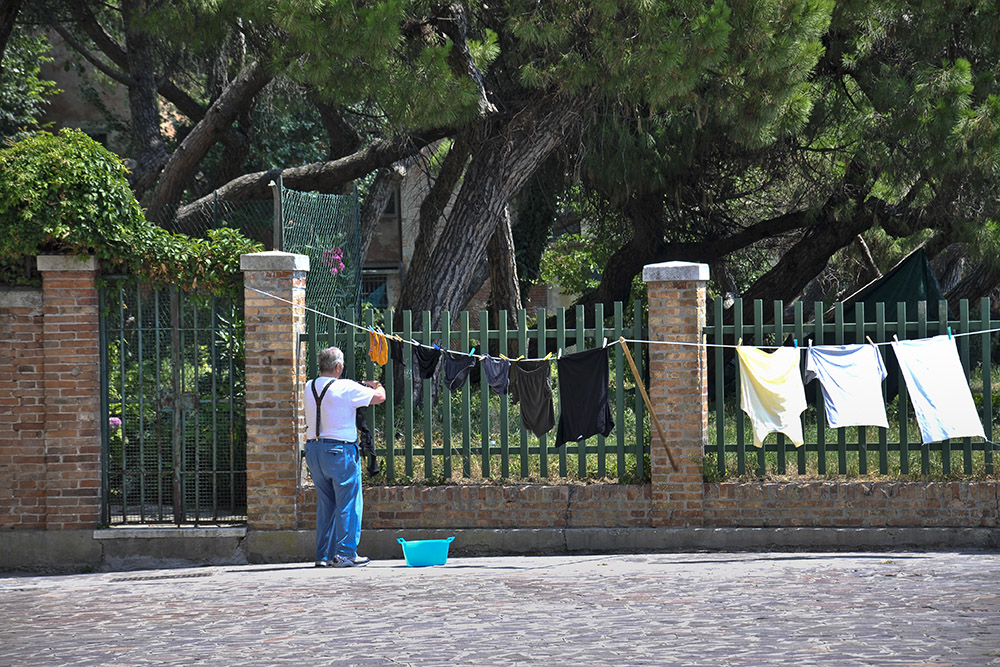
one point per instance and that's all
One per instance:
(327, 228)
(254, 219)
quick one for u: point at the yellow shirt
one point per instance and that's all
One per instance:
(771, 392)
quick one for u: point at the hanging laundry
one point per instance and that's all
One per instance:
(771, 392)
(531, 385)
(396, 352)
(457, 366)
(378, 348)
(583, 396)
(939, 391)
(851, 378)
(497, 371)
(426, 360)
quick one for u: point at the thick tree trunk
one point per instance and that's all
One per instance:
(433, 206)
(981, 280)
(186, 158)
(505, 290)
(645, 247)
(500, 165)
(318, 176)
(8, 15)
(151, 152)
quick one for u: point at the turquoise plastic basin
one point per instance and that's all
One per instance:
(420, 553)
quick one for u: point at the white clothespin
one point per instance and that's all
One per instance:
(605, 343)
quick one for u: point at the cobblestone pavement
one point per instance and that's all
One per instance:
(664, 609)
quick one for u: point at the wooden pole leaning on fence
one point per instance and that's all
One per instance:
(649, 404)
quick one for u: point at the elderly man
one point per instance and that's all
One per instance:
(333, 459)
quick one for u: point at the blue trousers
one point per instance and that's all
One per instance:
(335, 467)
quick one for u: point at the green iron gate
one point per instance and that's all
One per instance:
(173, 390)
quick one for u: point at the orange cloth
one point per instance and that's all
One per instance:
(378, 348)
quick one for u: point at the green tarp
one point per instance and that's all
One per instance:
(910, 281)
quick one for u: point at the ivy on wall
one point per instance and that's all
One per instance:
(67, 194)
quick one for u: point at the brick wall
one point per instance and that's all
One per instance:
(489, 506)
(727, 504)
(853, 504)
(22, 412)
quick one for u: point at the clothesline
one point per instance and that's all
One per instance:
(416, 343)
(776, 347)
(550, 357)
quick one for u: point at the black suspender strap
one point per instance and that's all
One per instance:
(319, 399)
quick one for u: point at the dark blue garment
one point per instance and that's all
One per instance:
(497, 373)
(457, 366)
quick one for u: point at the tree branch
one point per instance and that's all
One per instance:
(318, 176)
(189, 154)
(118, 76)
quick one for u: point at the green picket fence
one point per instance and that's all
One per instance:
(859, 451)
(473, 433)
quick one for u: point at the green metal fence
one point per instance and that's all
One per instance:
(173, 400)
(846, 451)
(473, 433)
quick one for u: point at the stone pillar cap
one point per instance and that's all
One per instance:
(668, 271)
(66, 263)
(274, 260)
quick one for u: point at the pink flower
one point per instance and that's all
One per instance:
(114, 423)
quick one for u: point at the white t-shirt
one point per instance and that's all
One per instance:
(342, 399)
(851, 377)
(939, 392)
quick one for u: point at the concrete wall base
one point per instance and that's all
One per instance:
(148, 548)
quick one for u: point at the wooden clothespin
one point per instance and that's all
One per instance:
(869, 339)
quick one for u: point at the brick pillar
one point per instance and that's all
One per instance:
(273, 356)
(678, 389)
(72, 391)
